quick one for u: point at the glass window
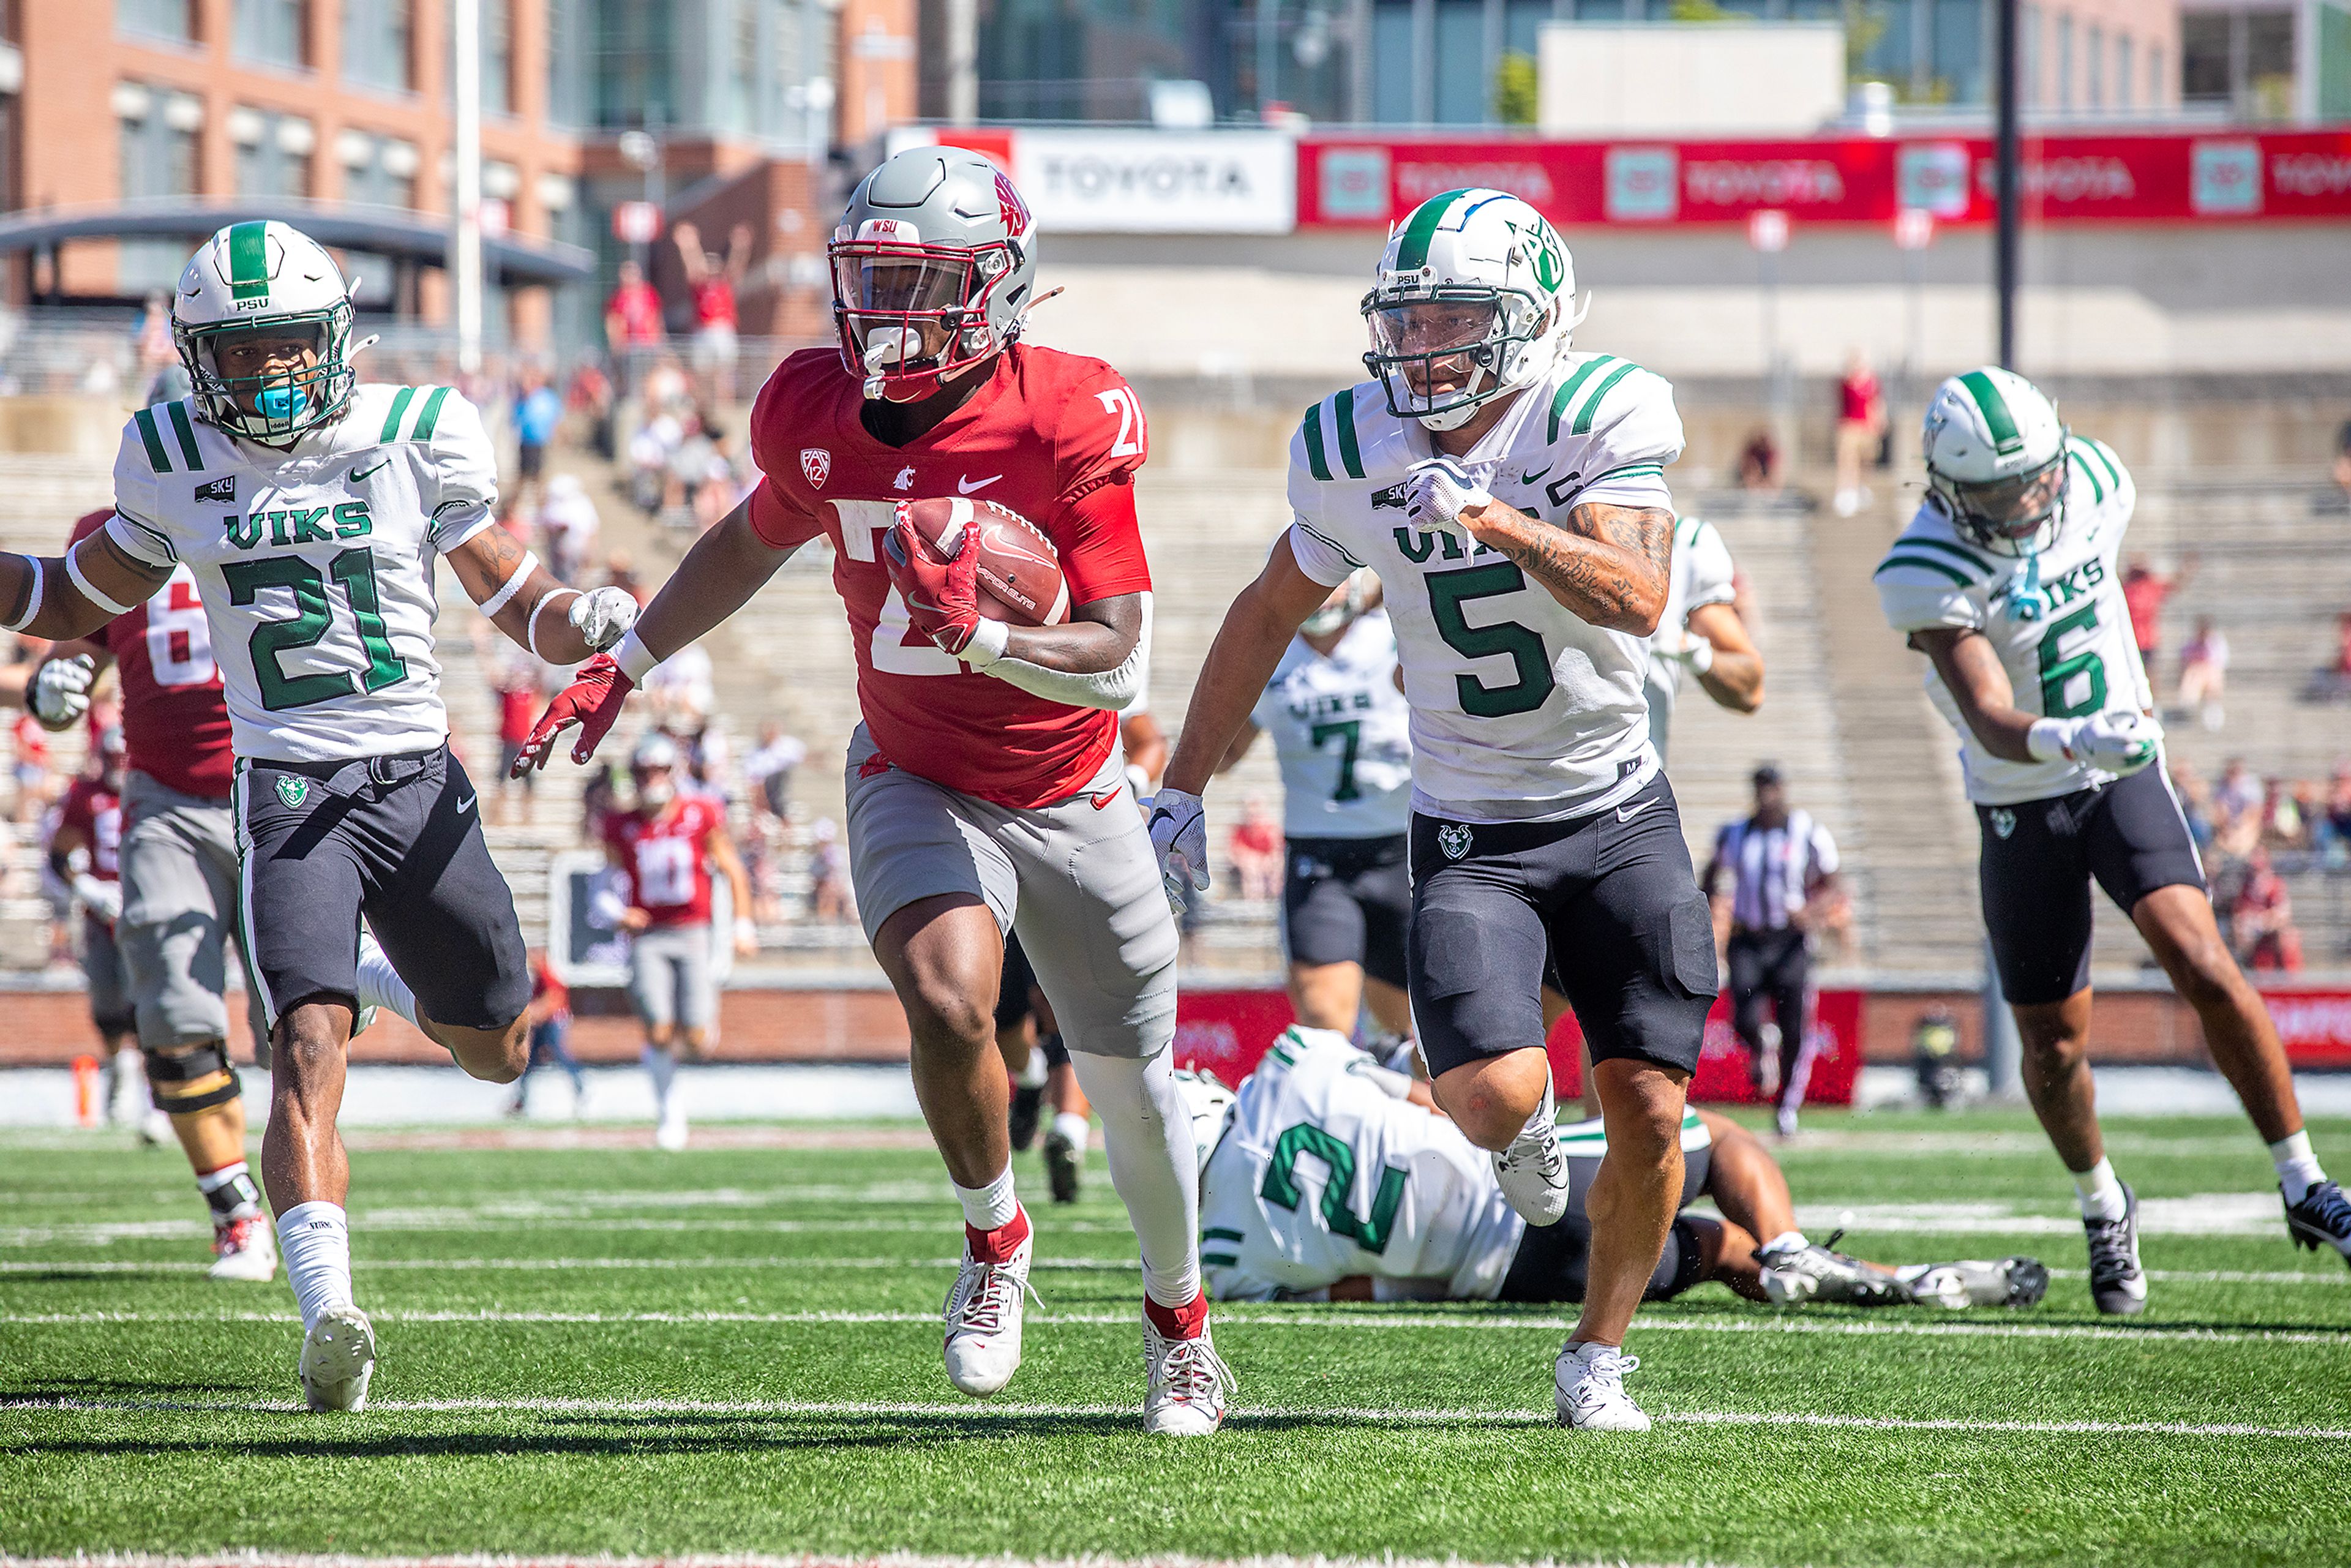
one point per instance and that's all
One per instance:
(272, 153)
(2094, 62)
(743, 104)
(1463, 90)
(2064, 62)
(1958, 43)
(1523, 24)
(1599, 10)
(498, 55)
(567, 63)
(375, 43)
(2125, 83)
(387, 178)
(633, 60)
(155, 18)
(2159, 90)
(1391, 62)
(157, 158)
(1879, 34)
(2028, 56)
(267, 31)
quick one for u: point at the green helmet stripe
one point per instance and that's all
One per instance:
(399, 411)
(1592, 404)
(1312, 428)
(1570, 387)
(152, 440)
(1998, 420)
(187, 435)
(1343, 410)
(430, 415)
(249, 262)
(1412, 251)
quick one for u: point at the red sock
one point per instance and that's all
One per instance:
(1178, 1322)
(998, 1246)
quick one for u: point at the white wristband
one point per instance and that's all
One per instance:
(2049, 739)
(512, 586)
(988, 641)
(73, 571)
(744, 931)
(636, 659)
(33, 599)
(1702, 655)
(531, 628)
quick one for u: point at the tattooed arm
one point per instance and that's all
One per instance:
(1610, 564)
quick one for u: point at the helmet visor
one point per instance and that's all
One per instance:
(2014, 506)
(1439, 345)
(914, 309)
(273, 379)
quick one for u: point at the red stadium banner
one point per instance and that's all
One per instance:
(2315, 1026)
(1227, 1031)
(2152, 177)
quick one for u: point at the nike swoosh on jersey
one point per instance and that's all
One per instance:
(1626, 813)
(1531, 479)
(360, 474)
(964, 486)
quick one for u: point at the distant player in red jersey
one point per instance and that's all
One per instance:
(84, 852)
(987, 788)
(666, 850)
(178, 897)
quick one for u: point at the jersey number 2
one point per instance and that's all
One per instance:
(355, 570)
(1370, 1232)
(1120, 401)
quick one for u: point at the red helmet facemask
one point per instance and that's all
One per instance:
(912, 315)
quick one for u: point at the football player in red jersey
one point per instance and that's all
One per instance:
(987, 788)
(665, 848)
(178, 895)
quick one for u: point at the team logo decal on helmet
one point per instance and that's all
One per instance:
(1209, 1105)
(1996, 465)
(262, 318)
(1473, 297)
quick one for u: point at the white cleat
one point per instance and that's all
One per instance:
(245, 1250)
(1533, 1174)
(338, 1359)
(983, 1315)
(1188, 1384)
(671, 1135)
(1590, 1382)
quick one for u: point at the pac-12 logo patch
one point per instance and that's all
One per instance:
(1454, 840)
(293, 791)
(816, 462)
(2003, 822)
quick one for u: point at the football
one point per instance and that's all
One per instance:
(1020, 571)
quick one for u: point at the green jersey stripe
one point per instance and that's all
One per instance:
(1631, 471)
(1999, 423)
(1310, 427)
(186, 434)
(1412, 250)
(151, 439)
(1924, 564)
(1600, 394)
(2099, 458)
(1968, 556)
(2089, 471)
(430, 416)
(1218, 1233)
(1225, 1259)
(390, 430)
(1570, 387)
(249, 261)
(1343, 414)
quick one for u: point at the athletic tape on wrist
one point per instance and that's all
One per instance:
(988, 641)
(636, 659)
(531, 630)
(32, 600)
(512, 586)
(82, 583)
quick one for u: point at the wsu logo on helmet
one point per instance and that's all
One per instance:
(816, 463)
(1009, 208)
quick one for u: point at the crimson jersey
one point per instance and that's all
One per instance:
(94, 809)
(174, 718)
(665, 860)
(1056, 437)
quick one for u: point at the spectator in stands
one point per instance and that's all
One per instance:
(2239, 791)
(518, 689)
(1255, 849)
(2145, 590)
(679, 684)
(1861, 420)
(1759, 463)
(2282, 826)
(569, 524)
(588, 397)
(2204, 674)
(2334, 831)
(550, 1036)
(768, 769)
(633, 321)
(829, 898)
(713, 280)
(2342, 471)
(2332, 682)
(537, 415)
(34, 787)
(598, 797)
(1783, 871)
(2262, 919)
(2195, 803)
(621, 572)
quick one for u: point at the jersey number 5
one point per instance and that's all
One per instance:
(1370, 1232)
(354, 569)
(1447, 592)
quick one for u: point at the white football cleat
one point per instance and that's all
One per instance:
(1533, 1174)
(245, 1250)
(670, 1135)
(1590, 1381)
(1188, 1384)
(983, 1314)
(338, 1359)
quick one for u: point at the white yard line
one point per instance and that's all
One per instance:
(558, 1265)
(246, 1557)
(998, 1411)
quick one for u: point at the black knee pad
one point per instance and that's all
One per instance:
(188, 1079)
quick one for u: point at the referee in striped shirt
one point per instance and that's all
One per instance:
(1780, 864)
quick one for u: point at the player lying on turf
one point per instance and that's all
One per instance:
(312, 510)
(986, 790)
(2007, 581)
(1329, 1177)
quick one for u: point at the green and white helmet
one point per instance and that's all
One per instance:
(1473, 297)
(1211, 1105)
(264, 280)
(1996, 464)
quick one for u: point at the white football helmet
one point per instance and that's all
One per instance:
(1211, 1105)
(1996, 465)
(268, 281)
(1473, 297)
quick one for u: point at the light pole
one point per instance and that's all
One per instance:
(464, 257)
(2007, 159)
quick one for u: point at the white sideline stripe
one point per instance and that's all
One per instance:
(105, 1233)
(247, 1558)
(997, 1411)
(2338, 1338)
(537, 1265)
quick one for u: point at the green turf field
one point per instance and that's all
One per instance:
(609, 1350)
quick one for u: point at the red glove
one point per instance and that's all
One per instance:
(593, 701)
(941, 592)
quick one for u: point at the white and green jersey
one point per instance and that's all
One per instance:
(1342, 733)
(314, 564)
(1702, 576)
(1521, 710)
(2056, 619)
(1322, 1174)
